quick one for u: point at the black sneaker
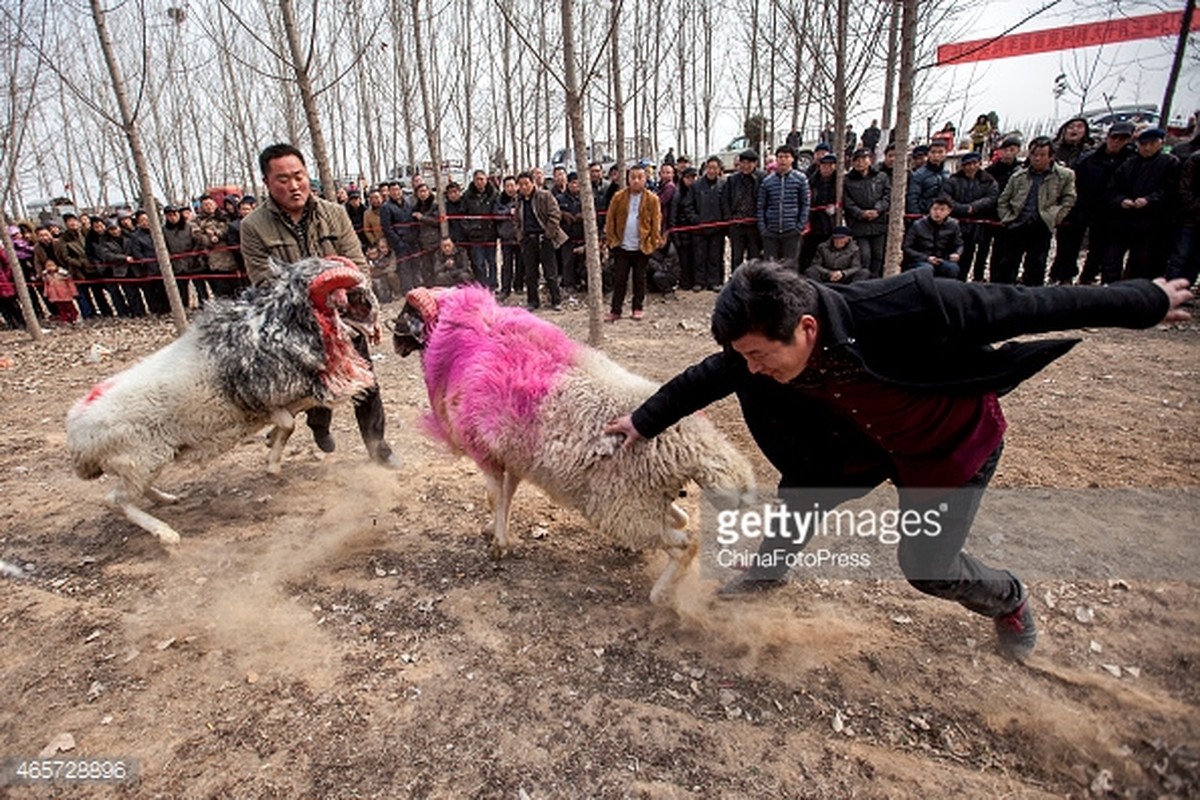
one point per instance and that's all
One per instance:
(1016, 630)
(325, 441)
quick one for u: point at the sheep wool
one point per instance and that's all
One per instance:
(526, 402)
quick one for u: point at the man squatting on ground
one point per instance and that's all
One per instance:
(292, 224)
(892, 379)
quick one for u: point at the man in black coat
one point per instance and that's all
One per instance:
(892, 379)
(1142, 197)
(973, 192)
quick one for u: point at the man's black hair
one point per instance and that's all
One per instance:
(942, 200)
(1040, 142)
(762, 297)
(525, 174)
(280, 150)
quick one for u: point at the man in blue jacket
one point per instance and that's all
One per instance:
(783, 203)
(895, 379)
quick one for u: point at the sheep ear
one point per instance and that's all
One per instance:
(408, 331)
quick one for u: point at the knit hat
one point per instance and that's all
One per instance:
(841, 230)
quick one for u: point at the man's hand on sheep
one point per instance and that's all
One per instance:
(1179, 295)
(624, 426)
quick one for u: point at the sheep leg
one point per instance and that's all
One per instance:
(503, 489)
(681, 548)
(284, 422)
(119, 500)
(159, 496)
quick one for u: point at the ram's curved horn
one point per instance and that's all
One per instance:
(330, 280)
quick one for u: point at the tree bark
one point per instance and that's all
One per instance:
(130, 127)
(908, 55)
(839, 103)
(889, 78)
(618, 102)
(307, 99)
(432, 131)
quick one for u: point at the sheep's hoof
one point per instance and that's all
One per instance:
(660, 595)
(167, 535)
(159, 496)
(498, 551)
(274, 468)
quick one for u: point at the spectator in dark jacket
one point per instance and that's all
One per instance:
(823, 195)
(1185, 260)
(866, 198)
(934, 241)
(478, 202)
(454, 209)
(395, 217)
(1090, 216)
(973, 194)
(1142, 194)
(837, 260)
(925, 184)
(687, 214)
(710, 241)
(741, 198)
(143, 261)
(783, 203)
(1072, 141)
(512, 274)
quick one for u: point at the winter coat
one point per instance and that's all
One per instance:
(110, 254)
(860, 193)
(7, 287)
(429, 226)
(546, 209)
(265, 235)
(915, 331)
(741, 194)
(973, 197)
(924, 186)
(456, 226)
(1189, 191)
(1093, 174)
(783, 203)
(650, 236)
(506, 228)
(925, 238)
(180, 239)
(570, 206)
(479, 204)
(667, 190)
(209, 234)
(139, 245)
(72, 254)
(1156, 179)
(453, 269)
(686, 212)
(828, 259)
(1002, 172)
(710, 203)
(1055, 198)
(824, 204)
(396, 221)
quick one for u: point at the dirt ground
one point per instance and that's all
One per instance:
(340, 632)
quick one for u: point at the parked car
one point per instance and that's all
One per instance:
(729, 154)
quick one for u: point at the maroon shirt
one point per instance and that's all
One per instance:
(932, 439)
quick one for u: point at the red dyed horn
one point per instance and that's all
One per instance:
(331, 280)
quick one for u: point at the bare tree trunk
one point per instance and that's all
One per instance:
(1185, 27)
(839, 103)
(509, 109)
(618, 103)
(889, 78)
(432, 131)
(308, 100)
(591, 233)
(130, 127)
(908, 55)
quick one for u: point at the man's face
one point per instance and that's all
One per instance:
(938, 212)
(918, 160)
(637, 180)
(72, 223)
(539, 176)
(889, 159)
(937, 155)
(781, 361)
(396, 192)
(1075, 131)
(970, 169)
(826, 168)
(1148, 148)
(560, 177)
(454, 194)
(375, 199)
(143, 222)
(354, 200)
(840, 242)
(595, 173)
(447, 247)
(784, 161)
(525, 186)
(208, 206)
(245, 208)
(423, 193)
(573, 187)
(97, 226)
(287, 183)
(510, 187)
(1009, 154)
(1039, 158)
(746, 166)
(1116, 142)
(172, 217)
(44, 236)
(480, 181)
(712, 170)
(667, 173)
(861, 164)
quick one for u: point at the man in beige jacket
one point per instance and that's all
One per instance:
(1035, 201)
(633, 230)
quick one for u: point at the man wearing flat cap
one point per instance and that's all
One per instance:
(1091, 217)
(741, 198)
(1141, 195)
(973, 194)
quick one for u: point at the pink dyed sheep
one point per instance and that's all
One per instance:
(526, 402)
